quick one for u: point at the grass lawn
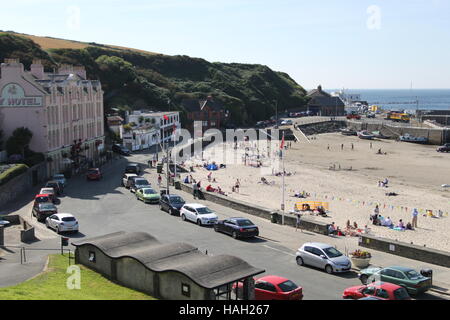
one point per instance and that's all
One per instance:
(51, 285)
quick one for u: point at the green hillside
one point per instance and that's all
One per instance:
(135, 79)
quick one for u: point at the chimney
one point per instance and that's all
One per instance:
(37, 69)
(11, 68)
(319, 88)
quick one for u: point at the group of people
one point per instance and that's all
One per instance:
(378, 220)
(384, 183)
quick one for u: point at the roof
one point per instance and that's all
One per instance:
(273, 279)
(195, 205)
(323, 99)
(318, 245)
(63, 215)
(403, 269)
(207, 271)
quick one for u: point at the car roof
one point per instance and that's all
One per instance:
(318, 245)
(385, 285)
(63, 215)
(131, 175)
(239, 219)
(273, 279)
(46, 189)
(132, 164)
(398, 268)
(195, 205)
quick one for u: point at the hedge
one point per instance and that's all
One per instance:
(12, 173)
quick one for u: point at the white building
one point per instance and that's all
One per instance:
(165, 121)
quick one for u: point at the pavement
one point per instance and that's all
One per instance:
(105, 206)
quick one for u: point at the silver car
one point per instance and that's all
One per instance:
(323, 256)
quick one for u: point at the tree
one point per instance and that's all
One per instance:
(19, 141)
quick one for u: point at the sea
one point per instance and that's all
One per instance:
(405, 99)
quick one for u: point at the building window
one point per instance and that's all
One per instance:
(92, 256)
(213, 123)
(205, 123)
(186, 290)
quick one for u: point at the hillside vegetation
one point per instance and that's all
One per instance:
(134, 79)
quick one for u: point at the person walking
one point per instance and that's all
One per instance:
(342, 146)
(194, 189)
(353, 147)
(159, 180)
(415, 214)
(237, 185)
(297, 222)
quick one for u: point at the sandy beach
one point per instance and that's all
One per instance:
(415, 172)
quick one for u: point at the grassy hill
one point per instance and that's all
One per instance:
(135, 79)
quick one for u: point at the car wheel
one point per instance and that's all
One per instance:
(183, 217)
(328, 269)
(234, 235)
(364, 279)
(216, 228)
(299, 261)
(199, 222)
(170, 211)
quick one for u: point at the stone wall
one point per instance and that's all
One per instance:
(16, 187)
(406, 250)
(321, 127)
(27, 232)
(290, 220)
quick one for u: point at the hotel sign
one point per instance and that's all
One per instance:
(13, 95)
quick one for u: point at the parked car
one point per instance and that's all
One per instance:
(444, 148)
(94, 174)
(323, 256)
(354, 116)
(43, 210)
(139, 183)
(50, 192)
(171, 203)
(133, 168)
(371, 115)
(148, 195)
(60, 178)
(286, 123)
(126, 179)
(274, 288)
(380, 290)
(62, 222)
(57, 187)
(405, 277)
(237, 228)
(199, 214)
(119, 149)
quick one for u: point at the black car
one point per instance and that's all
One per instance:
(444, 148)
(133, 168)
(43, 210)
(237, 227)
(117, 148)
(171, 203)
(138, 183)
(57, 186)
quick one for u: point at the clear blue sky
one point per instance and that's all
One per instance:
(334, 43)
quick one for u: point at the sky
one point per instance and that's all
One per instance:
(377, 44)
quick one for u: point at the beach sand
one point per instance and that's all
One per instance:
(415, 172)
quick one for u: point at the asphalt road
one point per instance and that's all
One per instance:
(105, 206)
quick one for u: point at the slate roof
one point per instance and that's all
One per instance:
(207, 271)
(318, 97)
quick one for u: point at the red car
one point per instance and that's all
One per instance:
(94, 174)
(275, 288)
(42, 198)
(354, 116)
(381, 290)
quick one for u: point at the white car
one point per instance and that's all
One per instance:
(199, 214)
(323, 256)
(61, 179)
(126, 179)
(62, 222)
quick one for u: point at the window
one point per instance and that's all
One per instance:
(397, 274)
(186, 290)
(401, 294)
(382, 294)
(369, 291)
(265, 286)
(92, 256)
(288, 286)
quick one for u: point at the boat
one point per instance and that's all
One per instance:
(379, 135)
(365, 135)
(348, 132)
(410, 138)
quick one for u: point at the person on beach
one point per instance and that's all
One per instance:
(209, 177)
(332, 230)
(415, 214)
(353, 147)
(237, 185)
(186, 180)
(371, 145)
(328, 147)
(401, 225)
(342, 146)
(388, 222)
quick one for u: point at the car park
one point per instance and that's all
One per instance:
(57, 187)
(133, 168)
(273, 288)
(171, 203)
(199, 214)
(62, 222)
(119, 149)
(43, 210)
(139, 183)
(148, 195)
(323, 256)
(126, 179)
(60, 178)
(444, 148)
(379, 290)
(408, 278)
(237, 228)
(50, 192)
(94, 174)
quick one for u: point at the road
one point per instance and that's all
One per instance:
(104, 207)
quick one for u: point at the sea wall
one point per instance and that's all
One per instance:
(411, 251)
(321, 127)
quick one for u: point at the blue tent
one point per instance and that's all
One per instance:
(212, 167)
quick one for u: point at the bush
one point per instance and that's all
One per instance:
(13, 172)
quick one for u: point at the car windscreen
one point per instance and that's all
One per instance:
(244, 223)
(332, 252)
(176, 200)
(287, 286)
(413, 275)
(149, 191)
(401, 294)
(204, 210)
(68, 219)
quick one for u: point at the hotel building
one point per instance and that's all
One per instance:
(63, 110)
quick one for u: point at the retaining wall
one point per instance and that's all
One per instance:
(411, 251)
(27, 232)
